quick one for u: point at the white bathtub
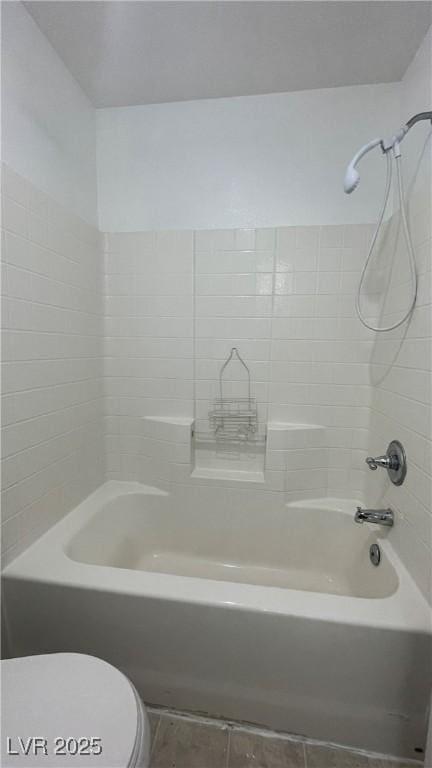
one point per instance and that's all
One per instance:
(273, 616)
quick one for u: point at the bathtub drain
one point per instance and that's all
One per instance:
(375, 554)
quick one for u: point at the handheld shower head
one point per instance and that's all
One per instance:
(351, 180)
(352, 176)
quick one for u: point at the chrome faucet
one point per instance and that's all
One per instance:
(378, 516)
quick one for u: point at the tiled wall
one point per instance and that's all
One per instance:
(284, 297)
(148, 344)
(233, 297)
(52, 446)
(401, 401)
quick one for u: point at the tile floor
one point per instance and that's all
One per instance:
(184, 742)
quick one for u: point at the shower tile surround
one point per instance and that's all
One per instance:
(400, 372)
(175, 303)
(52, 426)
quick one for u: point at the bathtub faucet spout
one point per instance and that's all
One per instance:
(378, 516)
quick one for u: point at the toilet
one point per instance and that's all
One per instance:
(70, 709)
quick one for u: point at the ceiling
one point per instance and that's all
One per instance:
(126, 53)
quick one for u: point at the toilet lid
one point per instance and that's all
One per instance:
(72, 698)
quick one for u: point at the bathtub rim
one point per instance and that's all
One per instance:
(46, 561)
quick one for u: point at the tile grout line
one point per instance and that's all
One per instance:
(228, 748)
(232, 725)
(154, 740)
(304, 755)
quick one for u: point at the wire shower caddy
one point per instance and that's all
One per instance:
(233, 419)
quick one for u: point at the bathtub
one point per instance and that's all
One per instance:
(271, 615)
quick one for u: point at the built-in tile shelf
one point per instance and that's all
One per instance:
(292, 459)
(173, 428)
(241, 475)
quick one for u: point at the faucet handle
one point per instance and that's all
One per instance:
(386, 461)
(394, 461)
(370, 461)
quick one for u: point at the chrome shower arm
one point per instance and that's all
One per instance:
(417, 118)
(394, 142)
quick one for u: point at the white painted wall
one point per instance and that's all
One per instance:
(416, 96)
(48, 124)
(253, 161)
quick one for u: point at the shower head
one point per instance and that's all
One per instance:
(352, 176)
(351, 180)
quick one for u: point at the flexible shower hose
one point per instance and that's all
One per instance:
(408, 241)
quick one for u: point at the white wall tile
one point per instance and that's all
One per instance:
(52, 453)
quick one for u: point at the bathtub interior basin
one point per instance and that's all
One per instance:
(313, 548)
